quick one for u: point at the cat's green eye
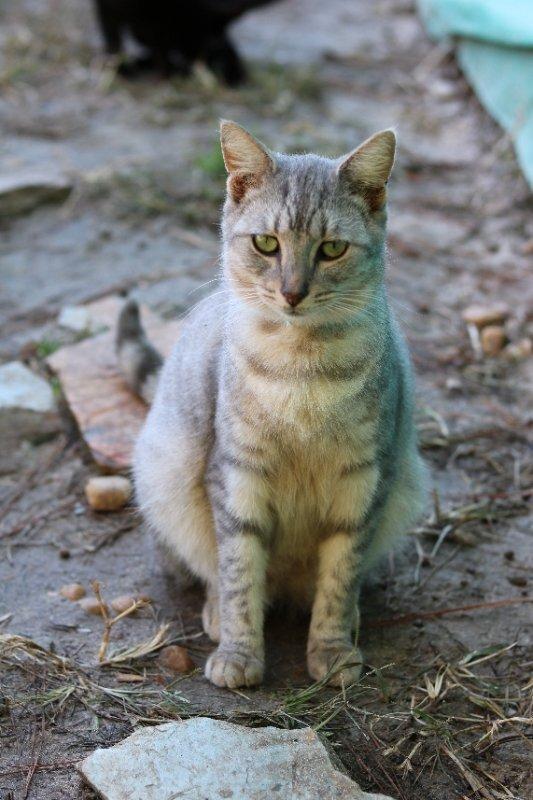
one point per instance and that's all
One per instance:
(335, 248)
(268, 245)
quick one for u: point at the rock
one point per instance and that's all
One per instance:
(108, 492)
(76, 318)
(91, 606)
(517, 580)
(176, 658)
(122, 603)
(492, 339)
(72, 591)
(107, 412)
(519, 350)
(93, 317)
(424, 232)
(453, 385)
(27, 406)
(26, 190)
(20, 388)
(480, 316)
(211, 759)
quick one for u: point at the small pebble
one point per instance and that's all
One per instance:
(122, 603)
(176, 658)
(453, 385)
(492, 340)
(480, 316)
(517, 580)
(519, 350)
(91, 606)
(108, 492)
(72, 591)
(465, 538)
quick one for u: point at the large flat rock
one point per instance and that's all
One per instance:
(109, 416)
(23, 191)
(206, 759)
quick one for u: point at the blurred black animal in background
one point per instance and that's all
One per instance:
(175, 33)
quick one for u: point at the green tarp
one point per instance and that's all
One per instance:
(495, 50)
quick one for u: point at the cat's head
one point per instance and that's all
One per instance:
(303, 235)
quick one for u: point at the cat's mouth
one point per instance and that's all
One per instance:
(293, 312)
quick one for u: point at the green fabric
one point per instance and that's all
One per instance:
(495, 50)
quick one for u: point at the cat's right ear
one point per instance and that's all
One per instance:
(247, 160)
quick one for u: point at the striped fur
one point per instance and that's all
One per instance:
(279, 458)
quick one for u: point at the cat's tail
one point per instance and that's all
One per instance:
(138, 360)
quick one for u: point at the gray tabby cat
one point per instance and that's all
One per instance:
(279, 458)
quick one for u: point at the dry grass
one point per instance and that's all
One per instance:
(450, 715)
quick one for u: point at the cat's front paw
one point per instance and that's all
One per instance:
(229, 668)
(323, 659)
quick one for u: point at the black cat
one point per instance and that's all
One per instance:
(174, 33)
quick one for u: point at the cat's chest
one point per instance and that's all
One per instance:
(304, 481)
(301, 393)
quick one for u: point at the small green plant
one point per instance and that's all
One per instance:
(47, 347)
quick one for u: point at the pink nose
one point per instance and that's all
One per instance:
(293, 298)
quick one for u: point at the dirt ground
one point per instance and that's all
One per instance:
(443, 709)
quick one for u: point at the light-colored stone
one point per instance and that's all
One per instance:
(27, 406)
(24, 191)
(72, 591)
(108, 492)
(480, 315)
(91, 606)
(76, 318)
(209, 759)
(492, 339)
(107, 412)
(92, 318)
(20, 388)
(519, 350)
(122, 603)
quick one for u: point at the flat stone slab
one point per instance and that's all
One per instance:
(207, 759)
(108, 414)
(23, 191)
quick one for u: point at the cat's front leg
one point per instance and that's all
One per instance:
(241, 519)
(335, 612)
(239, 657)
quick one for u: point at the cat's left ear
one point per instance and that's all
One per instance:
(247, 160)
(367, 168)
